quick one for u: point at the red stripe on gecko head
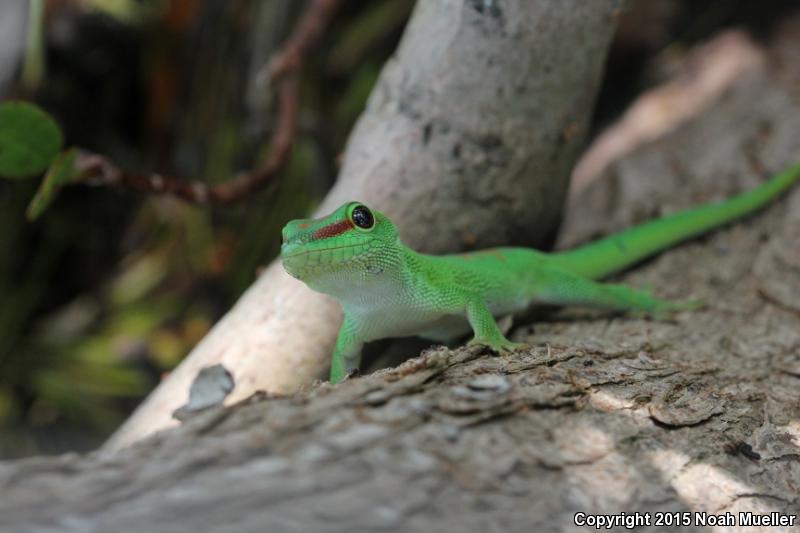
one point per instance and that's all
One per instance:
(332, 230)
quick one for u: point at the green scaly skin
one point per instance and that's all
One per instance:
(388, 290)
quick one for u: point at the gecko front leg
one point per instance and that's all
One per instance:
(347, 352)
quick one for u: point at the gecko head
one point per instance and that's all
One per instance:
(354, 243)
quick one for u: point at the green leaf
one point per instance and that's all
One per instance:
(29, 140)
(60, 173)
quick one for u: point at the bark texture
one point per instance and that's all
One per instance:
(601, 415)
(467, 141)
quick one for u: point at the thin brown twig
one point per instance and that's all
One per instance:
(304, 37)
(283, 71)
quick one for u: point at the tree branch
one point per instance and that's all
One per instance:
(283, 71)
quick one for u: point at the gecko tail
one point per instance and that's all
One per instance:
(621, 250)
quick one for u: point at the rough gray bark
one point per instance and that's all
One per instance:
(600, 415)
(467, 141)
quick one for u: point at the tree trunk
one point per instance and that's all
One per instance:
(467, 141)
(601, 415)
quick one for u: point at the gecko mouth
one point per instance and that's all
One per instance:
(305, 262)
(286, 248)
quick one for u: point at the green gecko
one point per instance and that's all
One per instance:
(388, 290)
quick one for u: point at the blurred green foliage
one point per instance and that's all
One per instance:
(29, 140)
(107, 290)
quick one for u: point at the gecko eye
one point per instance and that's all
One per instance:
(362, 217)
